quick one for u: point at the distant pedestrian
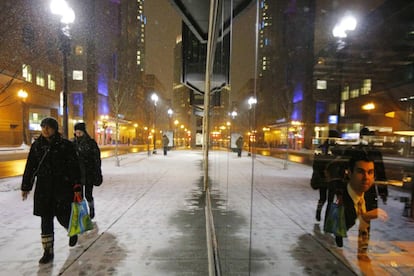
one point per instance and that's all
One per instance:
(53, 162)
(165, 143)
(239, 145)
(89, 156)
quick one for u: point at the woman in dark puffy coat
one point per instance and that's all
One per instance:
(53, 160)
(89, 156)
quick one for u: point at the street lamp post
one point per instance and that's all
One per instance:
(340, 31)
(154, 98)
(67, 16)
(104, 119)
(23, 95)
(251, 101)
(176, 122)
(170, 113)
(232, 128)
(136, 134)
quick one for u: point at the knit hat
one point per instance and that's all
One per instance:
(50, 122)
(80, 126)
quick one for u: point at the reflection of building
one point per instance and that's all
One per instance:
(181, 94)
(285, 61)
(195, 60)
(374, 66)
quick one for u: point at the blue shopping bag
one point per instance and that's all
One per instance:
(335, 220)
(80, 220)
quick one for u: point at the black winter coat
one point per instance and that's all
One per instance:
(89, 159)
(56, 175)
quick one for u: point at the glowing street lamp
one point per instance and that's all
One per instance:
(368, 106)
(347, 23)
(104, 119)
(67, 17)
(251, 101)
(340, 31)
(170, 112)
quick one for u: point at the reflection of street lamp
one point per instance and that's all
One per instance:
(251, 101)
(61, 8)
(182, 135)
(23, 95)
(136, 134)
(170, 113)
(347, 23)
(148, 140)
(233, 114)
(104, 119)
(340, 31)
(154, 98)
(176, 122)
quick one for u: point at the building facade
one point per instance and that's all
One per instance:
(30, 63)
(284, 94)
(105, 68)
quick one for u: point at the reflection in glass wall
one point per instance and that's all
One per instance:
(321, 97)
(295, 89)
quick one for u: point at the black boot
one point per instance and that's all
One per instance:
(318, 211)
(47, 242)
(73, 240)
(91, 209)
(339, 241)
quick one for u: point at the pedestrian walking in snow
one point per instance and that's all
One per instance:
(52, 167)
(239, 144)
(165, 142)
(89, 156)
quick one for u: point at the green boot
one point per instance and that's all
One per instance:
(47, 242)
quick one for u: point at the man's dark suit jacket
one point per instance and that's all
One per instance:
(350, 212)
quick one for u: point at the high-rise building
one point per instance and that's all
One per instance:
(109, 52)
(285, 56)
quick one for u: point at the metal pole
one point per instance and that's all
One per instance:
(155, 137)
(23, 123)
(65, 52)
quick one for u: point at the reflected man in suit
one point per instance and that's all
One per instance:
(357, 205)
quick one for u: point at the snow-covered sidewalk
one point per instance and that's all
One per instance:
(150, 221)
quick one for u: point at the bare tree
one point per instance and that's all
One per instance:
(123, 102)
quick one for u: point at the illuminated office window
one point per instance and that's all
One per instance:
(354, 93)
(345, 93)
(321, 84)
(77, 75)
(51, 84)
(366, 87)
(40, 78)
(79, 50)
(27, 72)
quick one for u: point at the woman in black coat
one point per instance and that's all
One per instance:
(89, 156)
(53, 161)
